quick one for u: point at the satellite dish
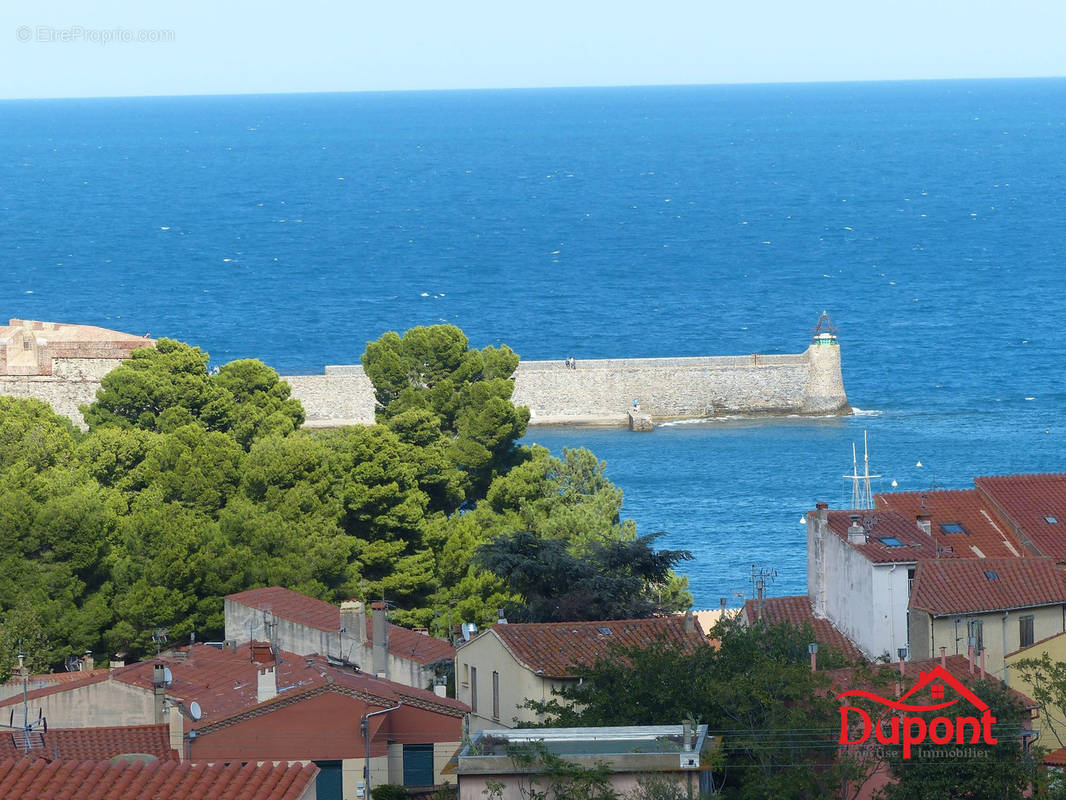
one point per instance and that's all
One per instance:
(195, 711)
(168, 676)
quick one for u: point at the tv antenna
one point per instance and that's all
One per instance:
(159, 636)
(760, 576)
(861, 495)
(30, 734)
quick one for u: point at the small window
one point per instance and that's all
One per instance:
(977, 631)
(992, 576)
(1025, 630)
(1050, 519)
(951, 527)
(890, 541)
(605, 631)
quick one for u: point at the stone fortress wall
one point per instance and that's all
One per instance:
(602, 391)
(594, 392)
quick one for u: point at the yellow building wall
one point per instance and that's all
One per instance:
(1047, 621)
(517, 683)
(1052, 723)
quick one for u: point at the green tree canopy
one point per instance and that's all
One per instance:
(613, 580)
(467, 391)
(168, 386)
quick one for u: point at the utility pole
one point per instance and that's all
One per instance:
(364, 729)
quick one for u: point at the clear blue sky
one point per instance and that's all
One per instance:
(236, 46)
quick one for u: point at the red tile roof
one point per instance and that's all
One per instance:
(873, 676)
(1026, 500)
(92, 744)
(159, 780)
(225, 682)
(961, 585)
(884, 524)
(1056, 758)
(290, 605)
(796, 610)
(987, 534)
(323, 616)
(558, 647)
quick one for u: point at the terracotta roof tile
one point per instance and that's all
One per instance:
(558, 647)
(159, 780)
(884, 524)
(225, 682)
(957, 666)
(963, 585)
(796, 610)
(1027, 501)
(323, 616)
(92, 744)
(290, 605)
(985, 534)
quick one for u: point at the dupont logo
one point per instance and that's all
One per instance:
(856, 725)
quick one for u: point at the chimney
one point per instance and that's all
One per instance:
(159, 691)
(856, 533)
(686, 736)
(87, 662)
(822, 512)
(440, 687)
(924, 524)
(690, 622)
(380, 640)
(353, 626)
(268, 685)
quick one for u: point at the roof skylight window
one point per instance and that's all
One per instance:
(992, 576)
(1050, 519)
(952, 527)
(890, 541)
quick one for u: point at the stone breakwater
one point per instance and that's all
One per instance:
(64, 364)
(602, 391)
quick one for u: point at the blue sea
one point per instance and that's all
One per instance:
(928, 219)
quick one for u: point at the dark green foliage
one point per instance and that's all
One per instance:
(778, 720)
(389, 791)
(1002, 770)
(191, 485)
(613, 580)
(167, 387)
(467, 394)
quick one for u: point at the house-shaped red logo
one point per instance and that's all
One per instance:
(909, 730)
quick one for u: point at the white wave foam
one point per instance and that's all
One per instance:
(863, 412)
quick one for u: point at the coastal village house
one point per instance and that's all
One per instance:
(671, 753)
(502, 667)
(995, 605)
(258, 703)
(796, 610)
(306, 625)
(864, 567)
(1052, 720)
